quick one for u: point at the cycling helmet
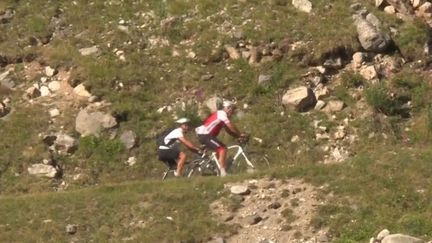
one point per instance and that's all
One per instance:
(227, 103)
(182, 120)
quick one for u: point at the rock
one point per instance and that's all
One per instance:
(340, 133)
(239, 34)
(253, 219)
(240, 190)
(232, 52)
(217, 240)
(319, 105)
(131, 161)
(92, 123)
(264, 79)
(371, 38)
(300, 98)
(382, 234)
(89, 50)
(128, 138)
(32, 93)
(400, 238)
(65, 143)
(358, 59)
(80, 90)
(71, 229)
(334, 106)
(54, 112)
(321, 91)
(214, 103)
(416, 3)
(207, 77)
(390, 10)
(404, 7)
(54, 86)
(425, 10)
(49, 71)
(6, 16)
(42, 170)
(369, 73)
(331, 63)
(255, 56)
(302, 5)
(44, 90)
(274, 205)
(373, 20)
(378, 3)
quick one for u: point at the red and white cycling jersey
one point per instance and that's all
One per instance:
(214, 123)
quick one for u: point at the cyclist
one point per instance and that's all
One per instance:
(208, 132)
(169, 149)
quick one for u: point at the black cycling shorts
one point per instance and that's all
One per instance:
(169, 157)
(210, 141)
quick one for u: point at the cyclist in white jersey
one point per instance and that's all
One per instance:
(169, 152)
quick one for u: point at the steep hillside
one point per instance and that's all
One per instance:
(335, 94)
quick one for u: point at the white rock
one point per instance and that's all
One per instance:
(390, 9)
(232, 52)
(42, 170)
(89, 50)
(54, 112)
(49, 71)
(382, 234)
(378, 3)
(400, 238)
(369, 72)
(71, 229)
(54, 86)
(295, 139)
(319, 105)
(44, 90)
(32, 92)
(299, 98)
(43, 79)
(416, 3)
(302, 5)
(131, 161)
(80, 90)
(240, 190)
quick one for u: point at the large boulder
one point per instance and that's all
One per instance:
(371, 37)
(42, 170)
(400, 238)
(92, 123)
(299, 99)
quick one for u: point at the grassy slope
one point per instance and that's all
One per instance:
(382, 186)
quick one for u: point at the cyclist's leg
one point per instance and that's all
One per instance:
(214, 144)
(169, 157)
(180, 163)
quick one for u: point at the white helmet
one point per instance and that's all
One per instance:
(227, 103)
(182, 120)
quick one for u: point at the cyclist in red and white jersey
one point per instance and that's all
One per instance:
(208, 132)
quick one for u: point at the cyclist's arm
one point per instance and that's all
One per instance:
(189, 144)
(232, 130)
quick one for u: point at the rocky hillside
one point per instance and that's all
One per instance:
(333, 92)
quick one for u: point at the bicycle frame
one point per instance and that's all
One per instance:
(240, 151)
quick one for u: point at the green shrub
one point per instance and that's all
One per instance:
(351, 80)
(377, 96)
(411, 39)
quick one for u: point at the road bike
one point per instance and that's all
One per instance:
(208, 163)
